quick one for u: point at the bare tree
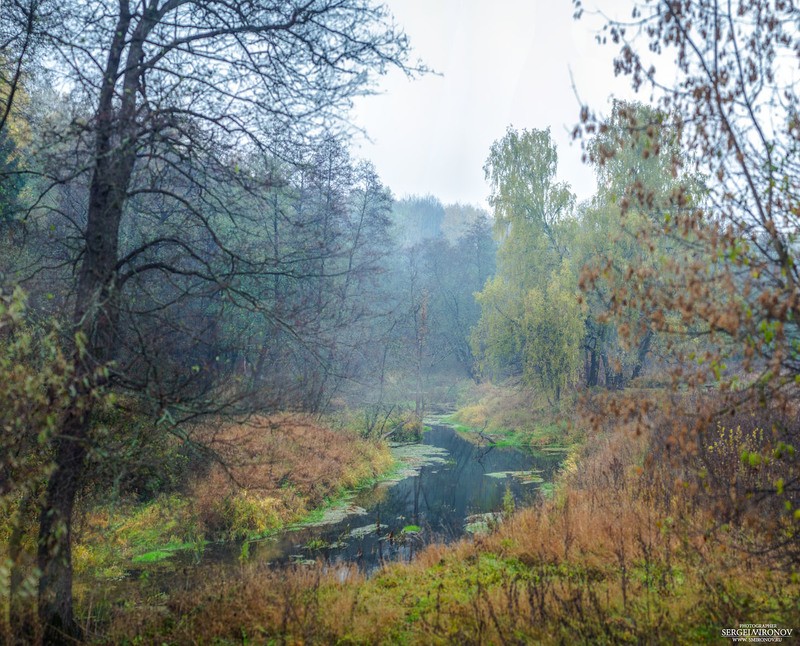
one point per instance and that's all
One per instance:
(18, 44)
(174, 93)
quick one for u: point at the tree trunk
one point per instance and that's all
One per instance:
(608, 373)
(594, 369)
(641, 355)
(615, 380)
(55, 533)
(20, 612)
(95, 319)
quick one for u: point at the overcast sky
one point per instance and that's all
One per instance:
(502, 62)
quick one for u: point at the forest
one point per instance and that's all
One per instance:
(249, 395)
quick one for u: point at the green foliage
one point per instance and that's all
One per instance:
(620, 242)
(538, 332)
(528, 205)
(11, 181)
(35, 384)
(37, 388)
(496, 339)
(560, 298)
(531, 320)
(553, 332)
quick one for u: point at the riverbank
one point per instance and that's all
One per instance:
(510, 415)
(260, 477)
(618, 554)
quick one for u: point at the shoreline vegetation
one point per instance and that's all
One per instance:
(514, 416)
(612, 553)
(279, 471)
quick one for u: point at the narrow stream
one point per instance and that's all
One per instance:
(447, 487)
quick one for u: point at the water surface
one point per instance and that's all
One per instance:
(445, 484)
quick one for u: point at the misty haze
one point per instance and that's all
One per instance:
(339, 322)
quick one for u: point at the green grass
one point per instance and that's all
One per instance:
(116, 536)
(152, 557)
(547, 489)
(547, 436)
(170, 549)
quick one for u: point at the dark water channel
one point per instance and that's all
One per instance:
(445, 486)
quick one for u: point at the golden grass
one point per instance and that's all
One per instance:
(270, 472)
(619, 555)
(520, 416)
(273, 470)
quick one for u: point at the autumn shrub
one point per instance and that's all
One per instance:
(748, 473)
(407, 428)
(243, 514)
(731, 458)
(33, 373)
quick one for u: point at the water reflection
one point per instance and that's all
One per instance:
(397, 519)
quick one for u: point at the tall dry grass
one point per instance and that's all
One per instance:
(273, 470)
(624, 552)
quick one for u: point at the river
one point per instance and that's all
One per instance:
(446, 487)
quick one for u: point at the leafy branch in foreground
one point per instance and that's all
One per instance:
(728, 296)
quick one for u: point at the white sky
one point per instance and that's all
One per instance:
(503, 62)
